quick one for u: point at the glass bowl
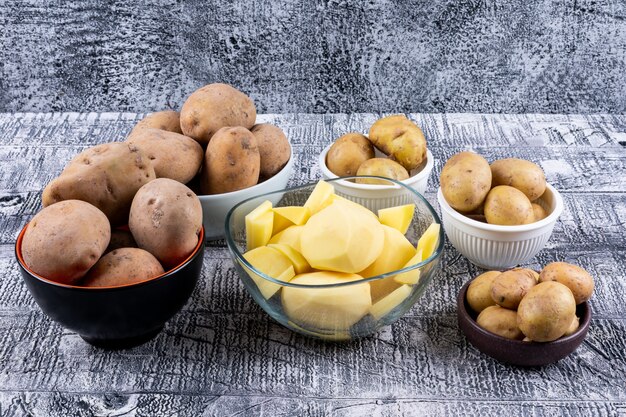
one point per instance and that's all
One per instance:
(336, 311)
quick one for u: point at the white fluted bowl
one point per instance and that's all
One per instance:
(492, 246)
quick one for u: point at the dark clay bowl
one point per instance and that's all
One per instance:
(116, 317)
(517, 352)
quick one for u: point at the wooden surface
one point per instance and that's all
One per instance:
(222, 355)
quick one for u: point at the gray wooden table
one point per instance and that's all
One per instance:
(222, 355)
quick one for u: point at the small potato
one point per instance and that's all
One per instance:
(572, 327)
(120, 239)
(521, 174)
(508, 288)
(347, 154)
(274, 149)
(173, 155)
(107, 176)
(479, 291)
(213, 107)
(578, 280)
(400, 139)
(232, 161)
(64, 240)
(546, 311)
(168, 120)
(166, 220)
(501, 321)
(465, 181)
(121, 267)
(509, 206)
(539, 213)
(381, 167)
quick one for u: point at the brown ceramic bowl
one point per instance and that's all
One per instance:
(516, 352)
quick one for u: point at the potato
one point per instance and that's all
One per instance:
(572, 327)
(521, 174)
(539, 213)
(465, 181)
(508, 206)
(166, 220)
(500, 321)
(346, 155)
(121, 267)
(107, 176)
(274, 149)
(508, 288)
(121, 239)
(381, 167)
(168, 120)
(546, 311)
(173, 155)
(271, 262)
(573, 277)
(400, 139)
(213, 107)
(232, 161)
(479, 291)
(64, 240)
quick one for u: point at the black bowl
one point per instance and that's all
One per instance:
(517, 352)
(116, 317)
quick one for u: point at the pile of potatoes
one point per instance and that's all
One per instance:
(522, 304)
(396, 136)
(507, 192)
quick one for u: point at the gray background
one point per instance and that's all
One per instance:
(311, 56)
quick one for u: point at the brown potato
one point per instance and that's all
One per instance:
(508, 288)
(572, 327)
(521, 174)
(274, 148)
(578, 280)
(508, 206)
(107, 176)
(546, 311)
(64, 240)
(165, 120)
(400, 139)
(232, 161)
(381, 167)
(121, 239)
(173, 155)
(479, 291)
(465, 181)
(539, 213)
(166, 220)
(121, 267)
(501, 321)
(213, 107)
(346, 155)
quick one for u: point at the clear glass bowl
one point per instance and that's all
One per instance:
(343, 315)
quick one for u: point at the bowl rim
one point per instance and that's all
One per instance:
(232, 246)
(166, 274)
(232, 194)
(424, 173)
(551, 218)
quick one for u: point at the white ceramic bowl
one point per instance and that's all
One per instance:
(492, 246)
(373, 196)
(215, 207)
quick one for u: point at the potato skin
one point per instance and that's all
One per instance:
(524, 175)
(508, 288)
(274, 148)
(65, 239)
(168, 120)
(400, 139)
(501, 321)
(166, 219)
(120, 239)
(546, 311)
(465, 181)
(107, 176)
(508, 206)
(173, 155)
(479, 291)
(213, 107)
(121, 267)
(346, 155)
(539, 213)
(578, 280)
(232, 161)
(381, 167)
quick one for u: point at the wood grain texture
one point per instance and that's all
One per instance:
(223, 356)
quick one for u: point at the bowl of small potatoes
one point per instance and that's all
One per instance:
(328, 267)
(525, 318)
